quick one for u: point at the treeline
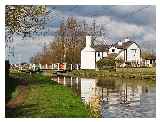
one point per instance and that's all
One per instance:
(70, 39)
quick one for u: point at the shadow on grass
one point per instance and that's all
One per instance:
(21, 111)
(45, 99)
(10, 86)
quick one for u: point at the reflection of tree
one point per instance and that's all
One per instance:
(119, 91)
(107, 83)
(123, 94)
(95, 106)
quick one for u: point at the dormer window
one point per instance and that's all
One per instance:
(113, 50)
(98, 54)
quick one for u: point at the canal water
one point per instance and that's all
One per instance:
(115, 97)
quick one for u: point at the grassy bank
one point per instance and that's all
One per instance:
(136, 73)
(41, 97)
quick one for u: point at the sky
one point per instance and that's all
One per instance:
(138, 22)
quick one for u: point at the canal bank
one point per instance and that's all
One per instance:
(127, 73)
(42, 97)
(114, 97)
(60, 96)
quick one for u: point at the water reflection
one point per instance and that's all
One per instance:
(115, 98)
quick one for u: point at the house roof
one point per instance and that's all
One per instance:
(124, 45)
(101, 48)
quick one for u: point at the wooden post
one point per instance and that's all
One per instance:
(58, 66)
(46, 66)
(20, 67)
(77, 66)
(58, 79)
(64, 81)
(71, 67)
(34, 67)
(64, 66)
(52, 66)
(77, 81)
(40, 66)
(71, 82)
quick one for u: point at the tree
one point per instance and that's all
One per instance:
(148, 55)
(69, 41)
(24, 19)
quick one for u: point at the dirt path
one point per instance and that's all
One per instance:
(22, 93)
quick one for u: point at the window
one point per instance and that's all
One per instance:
(98, 54)
(113, 50)
(134, 50)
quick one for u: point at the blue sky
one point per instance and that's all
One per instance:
(137, 22)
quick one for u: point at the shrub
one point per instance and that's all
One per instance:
(106, 63)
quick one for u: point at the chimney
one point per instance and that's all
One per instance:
(126, 39)
(120, 43)
(88, 41)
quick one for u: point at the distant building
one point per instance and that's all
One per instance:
(149, 62)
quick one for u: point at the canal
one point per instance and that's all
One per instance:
(115, 97)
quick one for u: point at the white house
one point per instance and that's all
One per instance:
(127, 50)
(88, 60)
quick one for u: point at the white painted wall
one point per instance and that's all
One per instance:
(105, 54)
(133, 53)
(87, 59)
(88, 55)
(98, 57)
(121, 55)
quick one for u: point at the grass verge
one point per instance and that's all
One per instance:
(127, 73)
(46, 99)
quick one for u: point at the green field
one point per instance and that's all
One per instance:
(42, 97)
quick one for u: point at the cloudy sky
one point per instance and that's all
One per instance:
(136, 22)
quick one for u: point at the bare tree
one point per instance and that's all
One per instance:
(70, 40)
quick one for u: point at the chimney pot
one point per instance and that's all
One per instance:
(88, 41)
(120, 43)
(126, 39)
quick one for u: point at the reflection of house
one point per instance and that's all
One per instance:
(130, 95)
(88, 87)
(123, 94)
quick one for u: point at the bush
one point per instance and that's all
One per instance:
(106, 63)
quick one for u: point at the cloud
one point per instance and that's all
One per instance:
(137, 14)
(25, 48)
(138, 22)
